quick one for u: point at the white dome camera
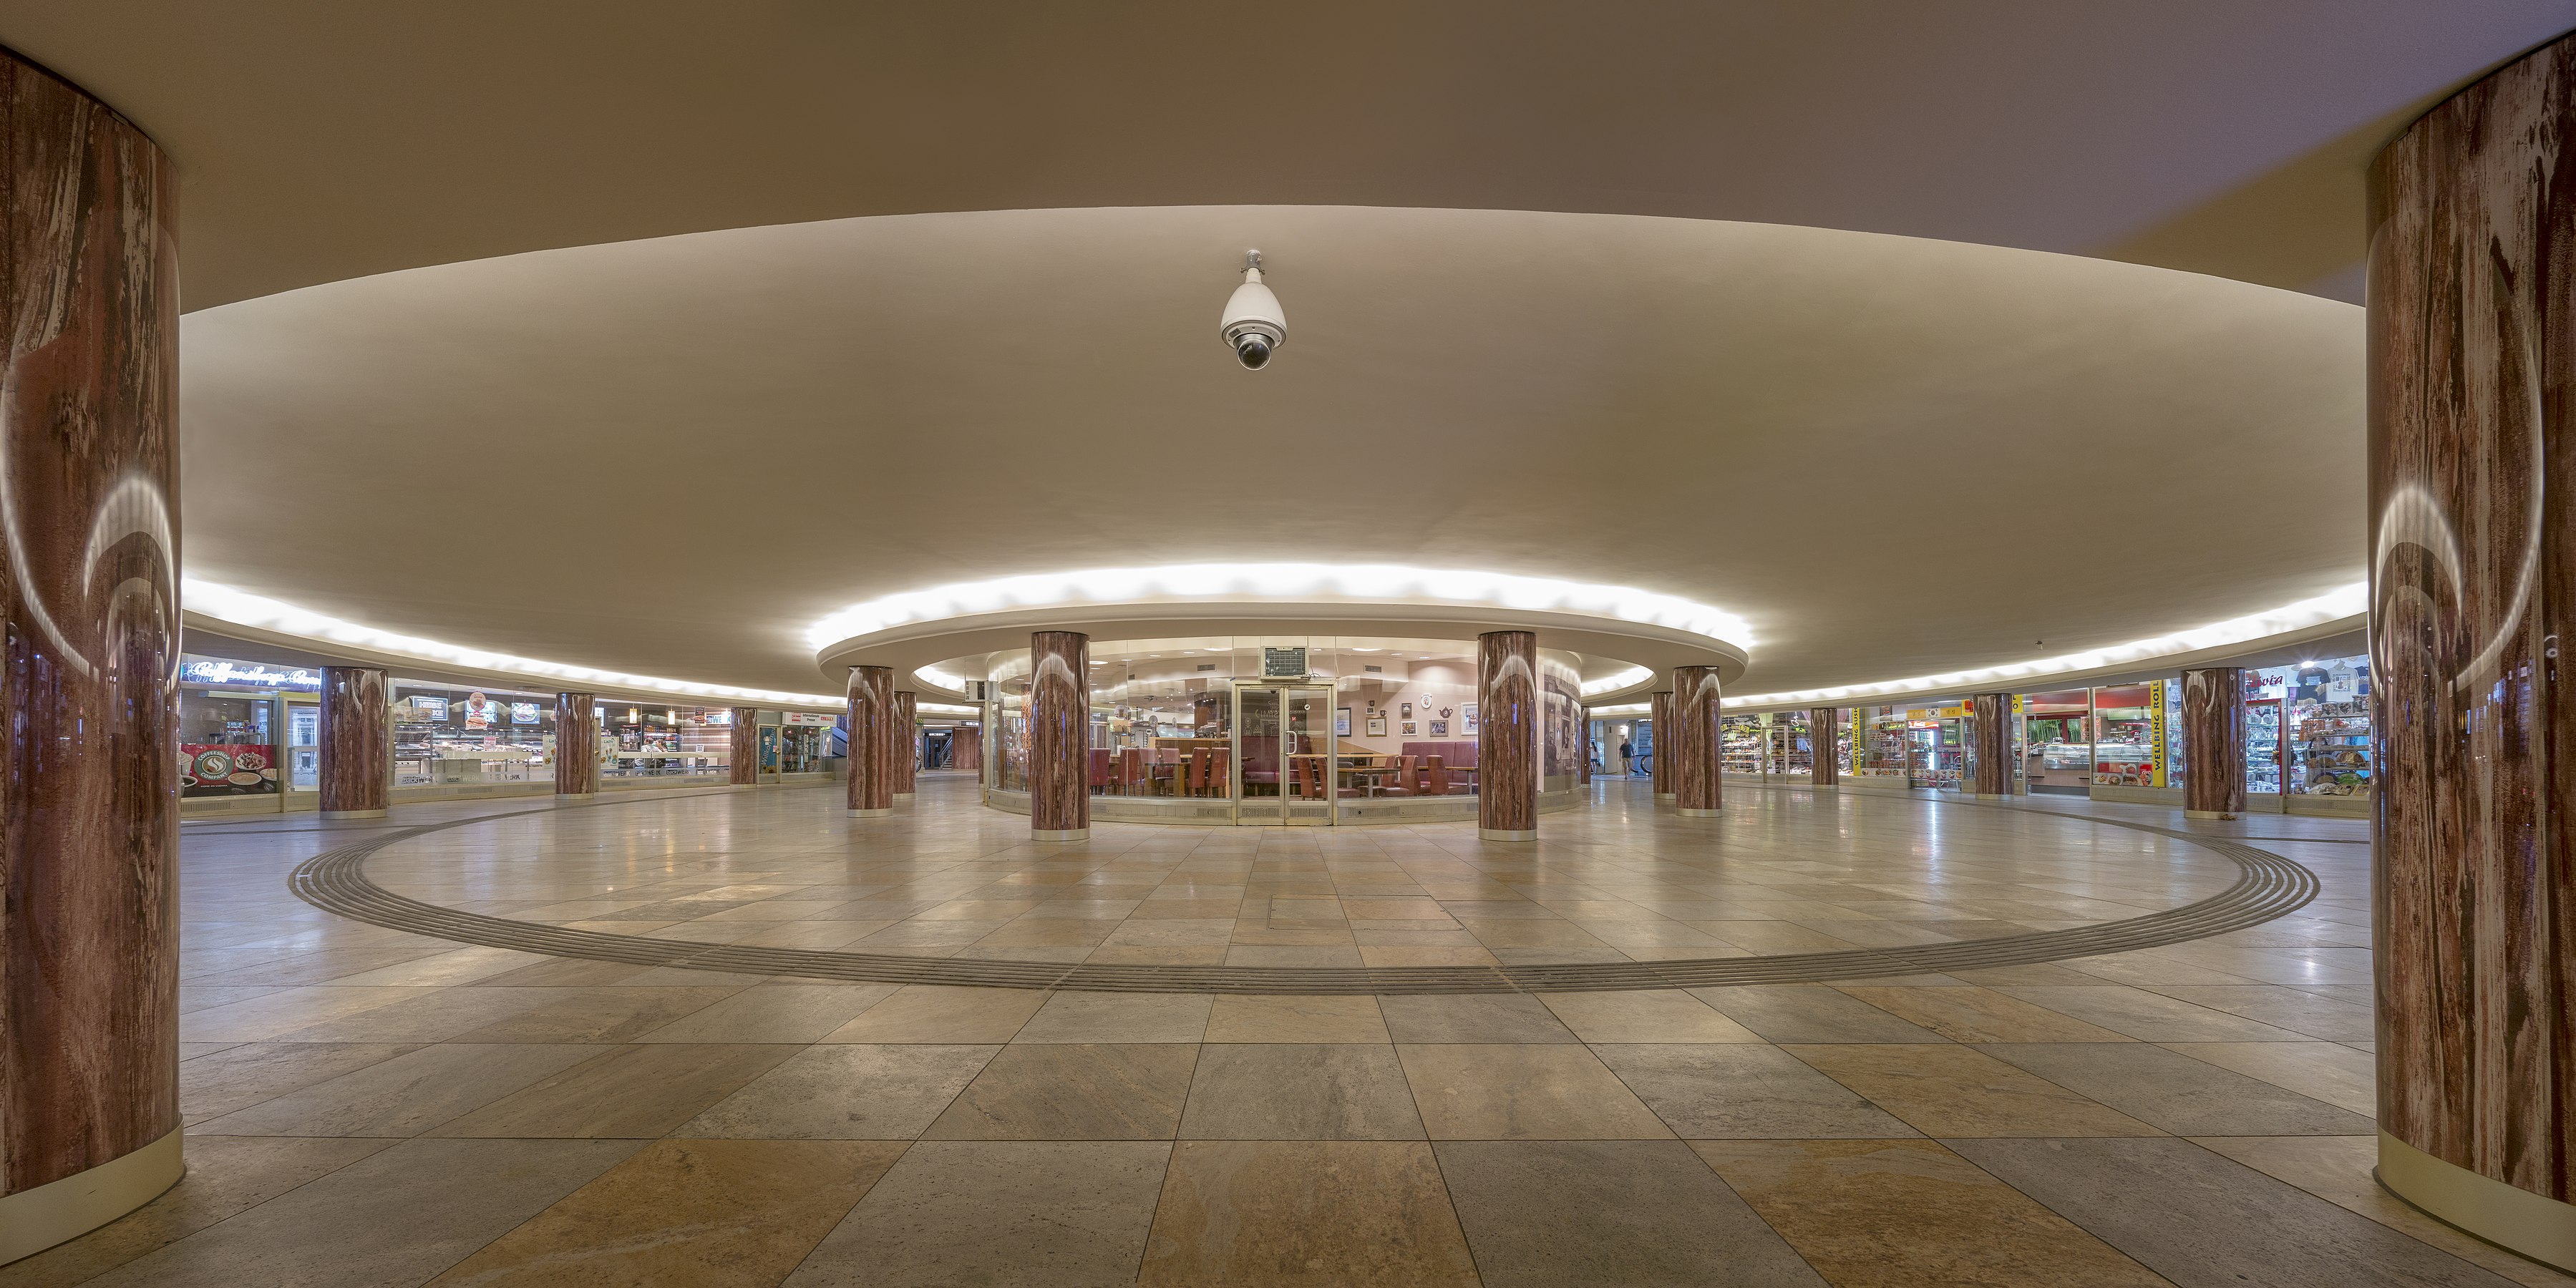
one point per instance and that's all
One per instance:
(1254, 325)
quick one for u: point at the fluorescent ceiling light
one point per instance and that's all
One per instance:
(1289, 582)
(2343, 602)
(223, 603)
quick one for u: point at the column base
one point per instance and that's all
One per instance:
(901, 797)
(34, 1220)
(1506, 834)
(2518, 1220)
(1061, 834)
(2210, 813)
(354, 813)
(1666, 798)
(1703, 813)
(872, 813)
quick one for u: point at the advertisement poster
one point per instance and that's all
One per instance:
(225, 769)
(523, 713)
(2156, 732)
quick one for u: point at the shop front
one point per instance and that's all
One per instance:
(801, 746)
(455, 740)
(249, 737)
(645, 745)
(1284, 731)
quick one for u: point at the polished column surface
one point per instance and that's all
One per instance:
(2472, 348)
(1059, 735)
(1583, 740)
(1659, 708)
(1698, 783)
(1507, 707)
(907, 742)
(1990, 724)
(872, 741)
(745, 751)
(2213, 742)
(1824, 729)
(356, 769)
(89, 811)
(576, 745)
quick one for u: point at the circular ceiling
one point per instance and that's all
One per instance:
(1886, 456)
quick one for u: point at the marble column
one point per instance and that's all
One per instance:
(2213, 742)
(1824, 733)
(1659, 708)
(1698, 772)
(2472, 546)
(89, 590)
(1990, 725)
(576, 746)
(907, 742)
(745, 752)
(966, 748)
(1583, 746)
(356, 751)
(1059, 736)
(872, 741)
(1507, 736)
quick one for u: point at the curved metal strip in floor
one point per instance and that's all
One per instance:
(2267, 886)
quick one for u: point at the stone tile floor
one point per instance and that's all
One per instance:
(371, 1107)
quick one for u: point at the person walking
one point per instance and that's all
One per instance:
(1625, 751)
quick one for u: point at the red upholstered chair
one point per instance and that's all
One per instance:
(1399, 781)
(1220, 762)
(1131, 771)
(1099, 769)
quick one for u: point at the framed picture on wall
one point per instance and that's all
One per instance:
(1469, 714)
(1408, 729)
(1341, 722)
(1377, 726)
(1407, 711)
(1439, 728)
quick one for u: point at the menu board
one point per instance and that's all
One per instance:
(523, 713)
(1283, 664)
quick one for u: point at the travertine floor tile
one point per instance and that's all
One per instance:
(941, 1015)
(1973, 1014)
(1645, 1015)
(1049, 1214)
(797, 1013)
(720, 1213)
(1325, 1213)
(2179, 1094)
(1536, 1091)
(1910, 1213)
(1732, 1089)
(1331, 1091)
(1959, 1091)
(406, 1095)
(227, 1175)
(1543, 1213)
(631, 1092)
(1074, 1092)
(1284, 1018)
(1119, 1017)
(887, 1091)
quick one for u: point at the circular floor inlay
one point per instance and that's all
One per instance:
(2267, 886)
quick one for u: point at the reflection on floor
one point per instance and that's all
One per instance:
(372, 1107)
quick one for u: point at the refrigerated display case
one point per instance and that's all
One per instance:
(2329, 718)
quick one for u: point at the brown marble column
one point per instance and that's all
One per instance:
(1824, 731)
(1659, 708)
(745, 752)
(2213, 742)
(1698, 772)
(966, 748)
(872, 741)
(1059, 736)
(576, 746)
(907, 742)
(1507, 734)
(89, 587)
(1583, 746)
(2472, 361)
(1990, 725)
(356, 753)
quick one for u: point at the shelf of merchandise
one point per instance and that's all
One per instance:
(2330, 751)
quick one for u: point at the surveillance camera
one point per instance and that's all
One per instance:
(1254, 325)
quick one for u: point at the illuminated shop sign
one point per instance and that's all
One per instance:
(803, 718)
(248, 675)
(523, 713)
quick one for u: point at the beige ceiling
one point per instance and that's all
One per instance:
(1891, 456)
(323, 139)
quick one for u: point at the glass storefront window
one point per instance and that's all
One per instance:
(1740, 744)
(2057, 753)
(1880, 745)
(2329, 723)
(2128, 735)
(227, 745)
(445, 735)
(638, 740)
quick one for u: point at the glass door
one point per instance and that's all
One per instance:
(1286, 767)
(1314, 768)
(303, 746)
(1260, 788)
(2263, 745)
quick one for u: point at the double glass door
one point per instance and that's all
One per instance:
(1285, 766)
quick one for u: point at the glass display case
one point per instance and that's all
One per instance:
(2128, 735)
(1883, 749)
(1742, 744)
(445, 735)
(2057, 750)
(1940, 755)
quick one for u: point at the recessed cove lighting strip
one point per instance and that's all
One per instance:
(2344, 602)
(1633, 675)
(1285, 582)
(223, 603)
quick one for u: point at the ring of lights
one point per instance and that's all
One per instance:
(914, 633)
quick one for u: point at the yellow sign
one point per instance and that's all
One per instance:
(2156, 731)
